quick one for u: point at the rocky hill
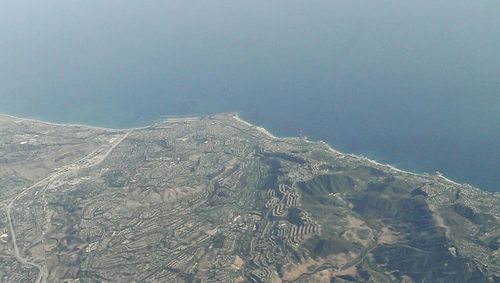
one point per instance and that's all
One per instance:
(215, 199)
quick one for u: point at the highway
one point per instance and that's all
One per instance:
(89, 160)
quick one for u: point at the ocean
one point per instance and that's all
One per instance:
(412, 83)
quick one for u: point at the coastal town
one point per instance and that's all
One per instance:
(217, 199)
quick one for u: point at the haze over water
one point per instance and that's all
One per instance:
(411, 83)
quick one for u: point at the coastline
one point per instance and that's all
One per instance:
(22, 119)
(39, 121)
(374, 162)
(236, 116)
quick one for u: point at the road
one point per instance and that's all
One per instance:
(42, 271)
(89, 160)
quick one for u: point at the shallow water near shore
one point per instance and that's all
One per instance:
(414, 84)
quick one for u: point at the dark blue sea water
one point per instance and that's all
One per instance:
(412, 83)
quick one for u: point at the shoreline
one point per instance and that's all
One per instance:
(18, 119)
(371, 161)
(236, 116)
(264, 131)
(34, 120)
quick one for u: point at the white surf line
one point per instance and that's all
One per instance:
(170, 119)
(265, 132)
(330, 148)
(236, 116)
(21, 119)
(260, 129)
